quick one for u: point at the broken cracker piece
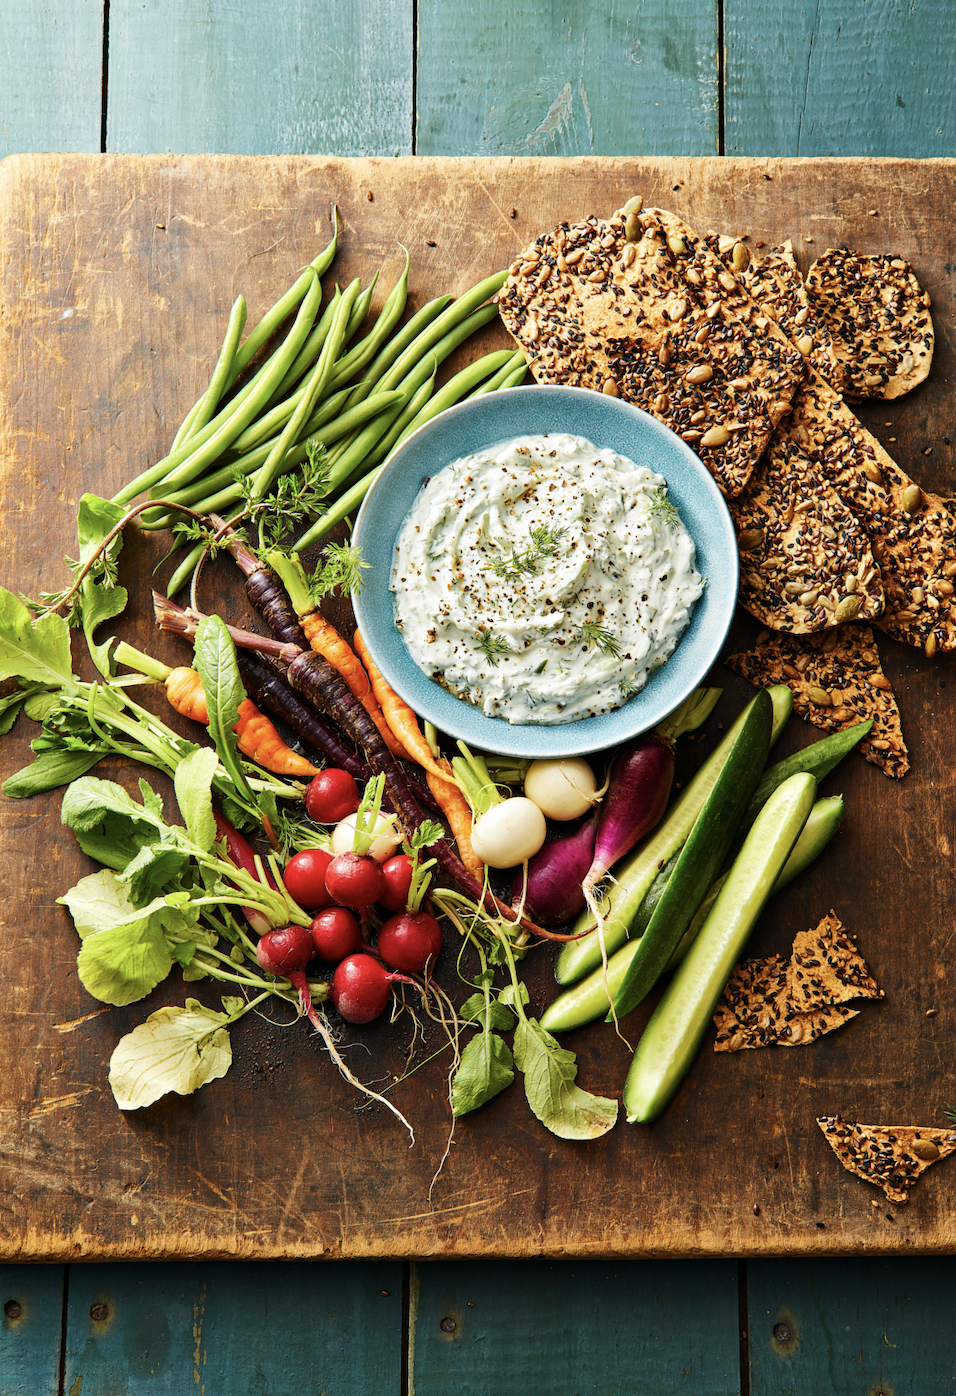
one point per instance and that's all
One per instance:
(890, 1156)
(878, 317)
(826, 968)
(836, 680)
(755, 1010)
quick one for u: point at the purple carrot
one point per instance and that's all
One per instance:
(266, 593)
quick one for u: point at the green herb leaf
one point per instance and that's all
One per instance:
(662, 508)
(549, 1079)
(125, 953)
(108, 823)
(215, 660)
(176, 1049)
(605, 640)
(492, 646)
(544, 543)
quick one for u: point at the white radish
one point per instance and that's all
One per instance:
(387, 841)
(561, 787)
(509, 833)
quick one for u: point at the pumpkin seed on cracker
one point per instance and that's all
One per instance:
(836, 680)
(878, 316)
(890, 1156)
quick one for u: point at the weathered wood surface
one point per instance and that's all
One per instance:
(117, 274)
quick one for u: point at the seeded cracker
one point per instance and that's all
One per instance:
(912, 533)
(775, 282)
(879, 318)
(891, 1156)
(755, 1010)
(836, 681)
(628, 307)
(805, 560)
(826, 968)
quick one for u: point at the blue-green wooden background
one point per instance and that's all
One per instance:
(445, 77)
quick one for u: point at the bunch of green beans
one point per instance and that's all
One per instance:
(360, 398)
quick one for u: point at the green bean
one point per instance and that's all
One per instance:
(207, 445)
(397, 345)
(215, 493)
(359, 450)
(203, 408)
(469, 379)
(507, 376)
(264, 386)
(363, 352)
(286, 304)
(272, 466)
(458, 312)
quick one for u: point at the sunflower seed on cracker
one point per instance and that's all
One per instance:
(879, 318)
(891, 1156)
(805, 559)
(836, 680)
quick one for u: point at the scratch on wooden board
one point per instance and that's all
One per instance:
(60, 1102)
(556, 121)
(216, 1192)
(78, 1022)
(485, 1204)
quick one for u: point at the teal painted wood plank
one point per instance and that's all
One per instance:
(303, 77)
(840, 77)
(217, 1329)
(50, 76)
(546, 1328)
(31, 1321)
(585, 78)
(852, 1326)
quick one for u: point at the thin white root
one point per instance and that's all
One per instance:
(322, 1028)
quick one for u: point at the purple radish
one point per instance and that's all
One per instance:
(554, 892)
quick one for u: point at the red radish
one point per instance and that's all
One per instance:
(638, 790)
(554, 893)
(410, 941)
(286, 952)
(354, 879)
(360, 987)
(398, 878)
(335, 933)
(331, 795)
(304, 878)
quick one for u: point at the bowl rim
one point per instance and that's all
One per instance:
(585, 735)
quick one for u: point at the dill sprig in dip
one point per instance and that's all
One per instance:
(543, 580)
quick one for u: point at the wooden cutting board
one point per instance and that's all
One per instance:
(117, 277)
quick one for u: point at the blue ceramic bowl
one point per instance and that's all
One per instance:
(607, 422)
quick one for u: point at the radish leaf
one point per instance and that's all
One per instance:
(35, 650)
(176, 1049)
(549, 1078)
(485, 1069)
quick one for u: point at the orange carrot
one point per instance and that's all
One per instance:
(401, 719)
(404, 723)
(326, 640)
(255, 733)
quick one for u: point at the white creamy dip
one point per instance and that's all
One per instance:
(543, 579)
